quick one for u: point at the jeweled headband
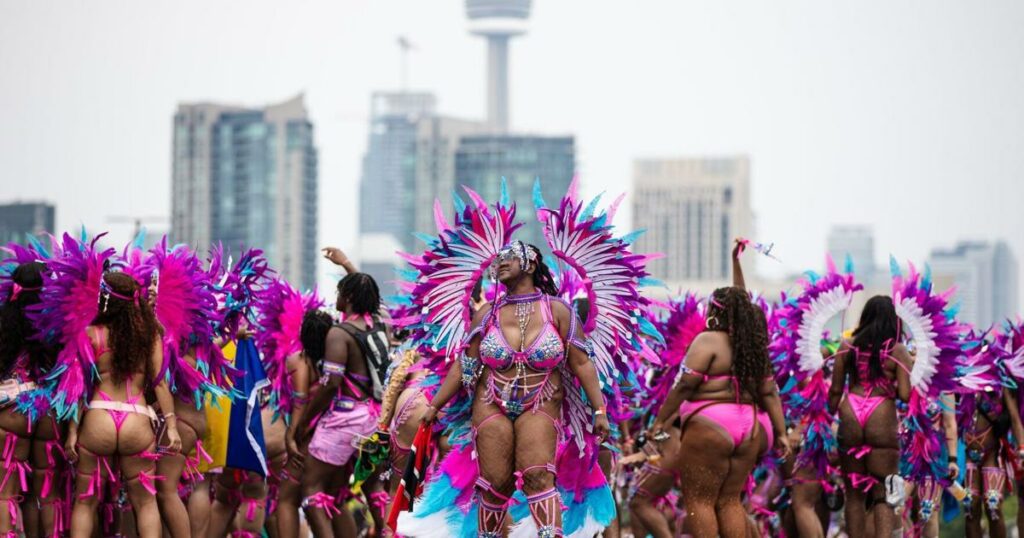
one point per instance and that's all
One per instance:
(514, 250)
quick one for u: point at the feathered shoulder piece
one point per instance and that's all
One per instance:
(439, 283)
(606, 269)
(683, 321)
(281, 309)
(798, 338)
(236, 285)
(69, 304)
(597, 265)
(801, 320)
(930, 324)
(1010, 343)
(184, 305)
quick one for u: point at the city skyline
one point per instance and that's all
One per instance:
(899, 116)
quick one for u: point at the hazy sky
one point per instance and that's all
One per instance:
(908, 116)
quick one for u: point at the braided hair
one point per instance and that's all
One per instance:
(17, 335)
(732, 311)
(361, 292)
(879, 327)
(542, 278)
(313, 333)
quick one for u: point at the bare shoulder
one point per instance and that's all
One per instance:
(559, 310)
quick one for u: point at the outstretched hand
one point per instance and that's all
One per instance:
(335, 255)
(738, 247)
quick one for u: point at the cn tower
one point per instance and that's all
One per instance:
(498, 21)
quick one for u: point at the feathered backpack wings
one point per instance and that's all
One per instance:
(281, 309)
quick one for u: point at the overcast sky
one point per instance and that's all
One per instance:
(908, 116)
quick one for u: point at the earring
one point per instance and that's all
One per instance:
(707, 324)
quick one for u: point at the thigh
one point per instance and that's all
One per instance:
(97, 433)
(273, 433)
(536, 437)
(494, 443)
(702, 472)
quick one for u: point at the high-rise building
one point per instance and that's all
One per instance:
(691, 210)
(481, 161)
(387, 191)
(498, 21)
(247, 177)
(19, 220)
(437, 141)
(857, 242)
(985, 276)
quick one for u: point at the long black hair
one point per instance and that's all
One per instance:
(732, 311)
(879, 328)
(131, 324)
(542, 278)
(17, 334)
(361, 293)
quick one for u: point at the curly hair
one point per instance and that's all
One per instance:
(360, 290)
(17, 334)
(878, 328)
(313, 334)
(132, 327)
(542, 278)
(734, 312)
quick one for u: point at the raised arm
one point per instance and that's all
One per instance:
(737, 270)
(581, 365)
(691, 375)
(164, 397)
(335, 362)
(338, 257)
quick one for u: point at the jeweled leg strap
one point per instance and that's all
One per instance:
(545, 507)
(322, 501)
(994, 480)
(490, 516)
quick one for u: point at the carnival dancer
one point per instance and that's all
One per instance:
(111, 355)
(182, 297)
(293, 377)
(988, 418)
(925, 504)
(729, 410)
(801, 354)
(869, 374)
(649, 501)
(511, 366)
(32, 438)
(347, 404)
(236, 443)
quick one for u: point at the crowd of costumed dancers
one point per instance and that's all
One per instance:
(508, 389)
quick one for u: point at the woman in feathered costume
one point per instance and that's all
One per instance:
(801, 352)
(31, 433)
(658, 475)
(729, 410)
(869, 374)
(987, 418)
(184, 303)
(111, 355)
(293, 376)
(524, 362)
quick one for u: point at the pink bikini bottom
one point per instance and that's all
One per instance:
(736, 420)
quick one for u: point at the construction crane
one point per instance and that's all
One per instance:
(136, 221)
(405, 45)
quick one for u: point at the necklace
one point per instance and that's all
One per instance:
(525, 298)
(524, 311)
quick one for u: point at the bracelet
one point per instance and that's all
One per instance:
(168, 415)
(952, 459)
(600, 411)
